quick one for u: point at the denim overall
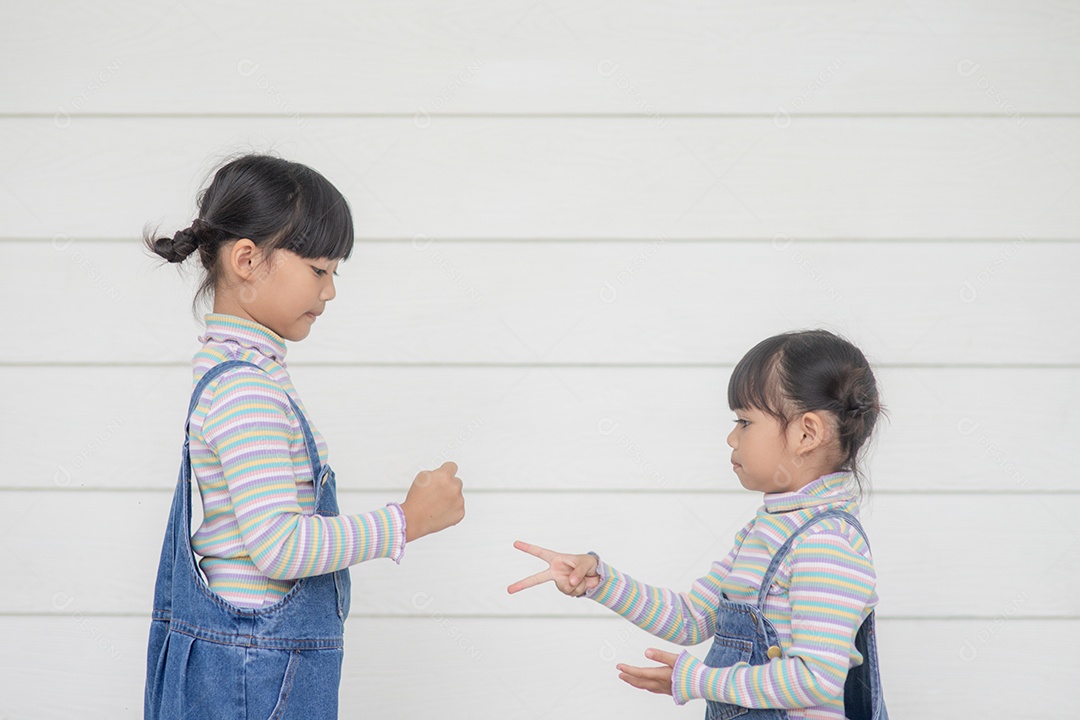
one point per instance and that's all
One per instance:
(744, 634)
(209, 659)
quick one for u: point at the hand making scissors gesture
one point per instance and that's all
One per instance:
(573, 574)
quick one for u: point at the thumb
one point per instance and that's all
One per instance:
(660, 656)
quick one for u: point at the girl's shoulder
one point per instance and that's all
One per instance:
(262, 382)
(801, 528)
(835, 537)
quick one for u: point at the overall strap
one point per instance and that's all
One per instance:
(309, 439)
(782, 552)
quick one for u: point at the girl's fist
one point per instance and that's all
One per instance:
(434, 502)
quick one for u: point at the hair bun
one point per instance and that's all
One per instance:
(859, 407)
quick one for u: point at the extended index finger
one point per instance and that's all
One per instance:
(535, 550)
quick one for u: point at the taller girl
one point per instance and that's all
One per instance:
(262, 635)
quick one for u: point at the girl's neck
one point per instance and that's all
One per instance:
(229, 306)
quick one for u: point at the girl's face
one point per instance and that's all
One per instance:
(761, 453)
(286, 292)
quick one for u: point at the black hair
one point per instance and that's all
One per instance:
(275, 203)
(812, 370)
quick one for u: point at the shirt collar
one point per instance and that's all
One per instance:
(248, 333)
(825, 490)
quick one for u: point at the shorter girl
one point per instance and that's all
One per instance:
(790, 608)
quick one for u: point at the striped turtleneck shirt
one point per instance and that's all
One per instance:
(259, 530)
(820, 595)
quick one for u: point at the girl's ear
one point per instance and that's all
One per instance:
(242, 258)
(812, 431)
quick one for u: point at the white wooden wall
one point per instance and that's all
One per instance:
(574, 218)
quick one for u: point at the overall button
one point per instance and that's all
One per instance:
(774, 652)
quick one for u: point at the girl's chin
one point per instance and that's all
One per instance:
(746, 482)
(297, 332)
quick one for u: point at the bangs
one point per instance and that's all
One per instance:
(756, 383)
(321, 224)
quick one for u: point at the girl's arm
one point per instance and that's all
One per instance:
(248, 427)
(831, 584)
(682, 618)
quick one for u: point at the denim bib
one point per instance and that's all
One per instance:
(745, 635)
(212, 660)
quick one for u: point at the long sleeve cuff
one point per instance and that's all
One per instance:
(603, 589)
(397, 532)
(689, 679)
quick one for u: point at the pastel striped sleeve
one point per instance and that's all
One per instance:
(831, 585)
(248, 427)
(682, 618)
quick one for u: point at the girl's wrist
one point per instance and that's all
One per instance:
(596, 569)
(402, 535)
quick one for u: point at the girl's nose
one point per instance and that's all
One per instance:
(731, 438)
(329, 292)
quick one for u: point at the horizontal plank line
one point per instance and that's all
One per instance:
(569, 491)
(559, 616)
(534, 116)
(626, 240)
(523, 365)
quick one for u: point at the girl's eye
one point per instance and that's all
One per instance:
(319, 271)
(745, 423)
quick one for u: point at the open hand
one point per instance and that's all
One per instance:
(572, 574)
(654, 679)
